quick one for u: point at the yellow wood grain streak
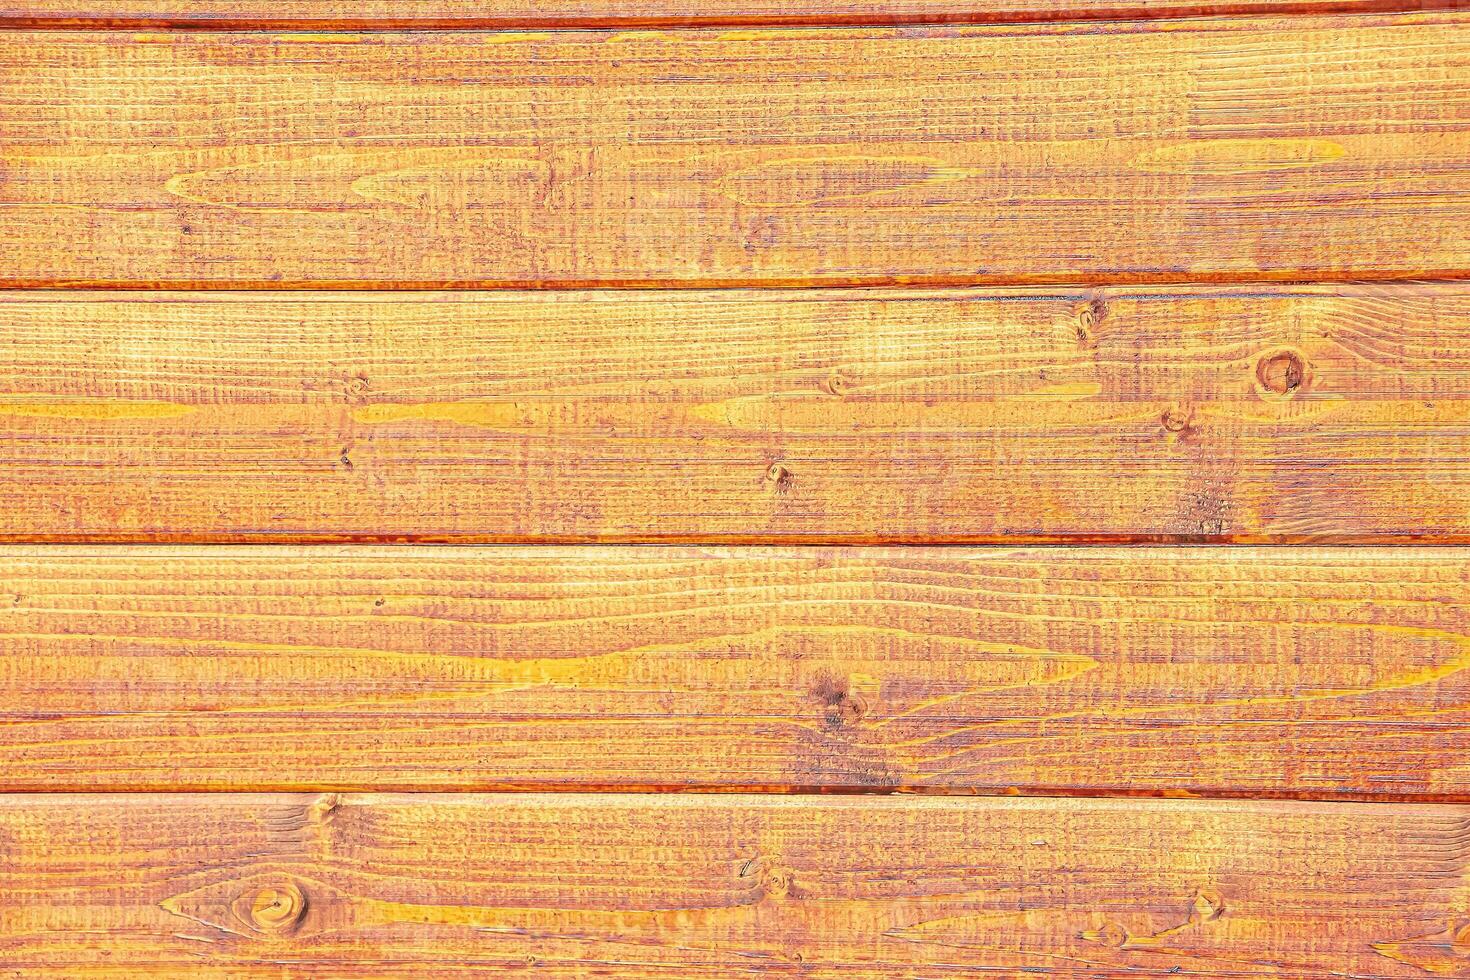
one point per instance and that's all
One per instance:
(563, 14)
(1337, 673)
(1225, 149)
(1324, 413)
(637, 886)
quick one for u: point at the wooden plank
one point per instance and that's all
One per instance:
(1284, 672)
(637, 886)
(1221, 150)
(1336, 413)
(563, 14)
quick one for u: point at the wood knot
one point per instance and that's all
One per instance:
(841, 707)
(1208, 905)
(1175, 420)
(772, 880)
(1089, 316)
(1111, 934)
(1093, 312)
(325, 806)
(846, 710)
(277, 908)
(1281, 374)
(835, 385)
(779, 478)
(355, 388)
(776, 883)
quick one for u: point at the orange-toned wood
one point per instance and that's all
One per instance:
(723, 887)
(1263, 413)
(1279, 672)
(560, 14)
(1230, 149)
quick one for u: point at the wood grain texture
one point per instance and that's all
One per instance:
(562, 14)
(1306, 672)
(1232, 149)
(625, 886)
(1335, 413)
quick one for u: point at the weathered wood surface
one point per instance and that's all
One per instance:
(1307, 672)
(561, 14)
(1264, 413)
(726, 886)
(1229, 149)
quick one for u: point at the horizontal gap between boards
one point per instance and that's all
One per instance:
(696, 539)
(490, 22)
(732, 789)
(1146, 280)
(835, 294)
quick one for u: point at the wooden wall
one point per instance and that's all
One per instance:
(707, 488)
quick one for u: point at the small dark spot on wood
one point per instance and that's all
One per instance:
(345, 459)
(1282, 373)
(828, 691)
(779, 478)
(760, 233)
(378, 603)
(840, 707)
(848, 712)
(1206, 512)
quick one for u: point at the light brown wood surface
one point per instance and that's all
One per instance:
(1335, 413)
(1126, 335)
(1311, 672)
(561, 14)
(632, 886)
(1230, 149)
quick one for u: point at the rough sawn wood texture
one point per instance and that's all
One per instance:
(1227, 149)
(1311, 672)
(728, 886)
(1326, 413)
(755, 476)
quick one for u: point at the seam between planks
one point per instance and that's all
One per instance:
(490, 22)
(917, 283)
